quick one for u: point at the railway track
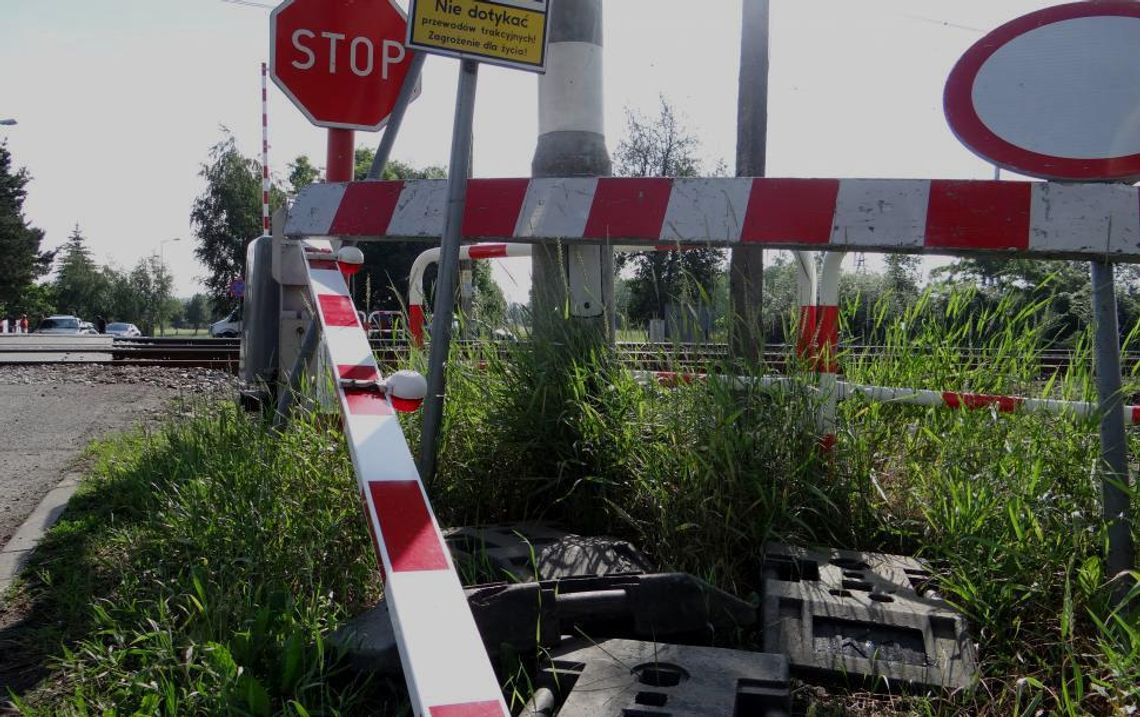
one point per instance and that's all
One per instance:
(224, 353)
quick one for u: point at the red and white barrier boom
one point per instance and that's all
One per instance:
(445, 664)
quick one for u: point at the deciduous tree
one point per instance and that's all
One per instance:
(226, 216)
(662, 146)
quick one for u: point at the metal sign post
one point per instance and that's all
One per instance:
(1113, 444)
(448, 266)
(1025, 111)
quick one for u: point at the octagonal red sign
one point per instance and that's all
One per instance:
(342, 62)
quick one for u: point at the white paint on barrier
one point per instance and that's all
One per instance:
(556, 207)
(421, 210)
(706, 209)
(1090, 216)
(379, 449)
(881, 212)
(313, 211)
(448, 656)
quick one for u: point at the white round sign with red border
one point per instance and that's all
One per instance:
(1054, 94)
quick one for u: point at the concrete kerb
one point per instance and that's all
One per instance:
(17, 551)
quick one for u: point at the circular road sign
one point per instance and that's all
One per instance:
(342, 62)
(1055, 93)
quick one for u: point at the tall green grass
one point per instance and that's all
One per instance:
(202, 564)
(196, 572)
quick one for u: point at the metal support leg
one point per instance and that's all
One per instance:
(285, 398)
(1113, 445)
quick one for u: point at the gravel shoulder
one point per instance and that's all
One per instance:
(49, 414)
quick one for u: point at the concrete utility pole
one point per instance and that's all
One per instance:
(572, 143)
(746, 265)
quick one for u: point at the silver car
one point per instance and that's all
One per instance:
(119, 328)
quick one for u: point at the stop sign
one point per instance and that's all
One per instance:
(342, 62)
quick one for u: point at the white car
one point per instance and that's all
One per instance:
(229, 327)
(118, 328)
(60, 324)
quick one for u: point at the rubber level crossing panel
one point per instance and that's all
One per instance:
(862, 618)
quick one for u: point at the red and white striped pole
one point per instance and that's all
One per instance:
(827, 346)
(431, 256)
(264, 150)
(806, 288)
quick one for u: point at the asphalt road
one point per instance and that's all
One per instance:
(44, 428)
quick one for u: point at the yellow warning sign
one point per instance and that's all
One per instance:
(502, 32)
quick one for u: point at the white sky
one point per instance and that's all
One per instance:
(118, 102)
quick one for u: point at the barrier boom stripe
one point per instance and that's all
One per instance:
(1046, 219)
(445, 664)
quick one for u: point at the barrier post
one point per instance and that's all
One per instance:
(827, 346)
(1114, 448)
(806, 290)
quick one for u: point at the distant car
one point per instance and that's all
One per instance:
(87, 328)
(60, 324)
(118, 328)
(229, 327)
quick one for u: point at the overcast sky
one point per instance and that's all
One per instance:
(118, 101)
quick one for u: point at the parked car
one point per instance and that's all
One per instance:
(87, 328)
(229, 327)
(60, 324)
(118, 328)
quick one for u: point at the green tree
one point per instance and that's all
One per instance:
(22, 261)
(662, 147)
(195, 312)
(153, 285)
(81, 286)
(226, 216)
(302, 173)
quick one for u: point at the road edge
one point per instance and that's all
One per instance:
(17, 551)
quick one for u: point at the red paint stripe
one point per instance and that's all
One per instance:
(974, 401)
(493, 206)
(366, 402)
(322, 264)
(366, 208)
(827, 339)
(362, 372)
(488, 251)
(971, 214)
(416, 324)
(782, 210)
(1135, 414)
(628, 208)
(469, 709)
(805, 342)
(409, 535)
(337, 310)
